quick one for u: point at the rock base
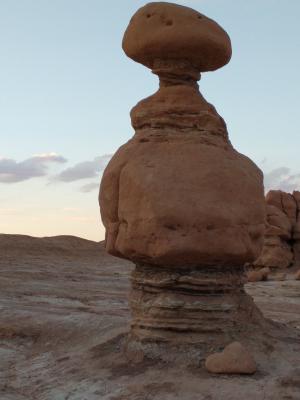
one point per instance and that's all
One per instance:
(186, 312)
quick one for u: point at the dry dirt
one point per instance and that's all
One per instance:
(64, 317)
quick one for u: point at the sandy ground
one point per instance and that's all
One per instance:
(64, 317)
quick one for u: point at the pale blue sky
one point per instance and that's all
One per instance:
(66, 87)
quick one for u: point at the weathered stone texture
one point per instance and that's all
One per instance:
(282, 237)
(177, 199)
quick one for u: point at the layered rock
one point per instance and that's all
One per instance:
(177, 199)
(282, 237)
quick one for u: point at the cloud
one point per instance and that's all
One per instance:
(89, 187)
(282, 178)
(12, 171)
(84, 170)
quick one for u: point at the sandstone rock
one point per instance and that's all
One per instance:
(282, 236)
(284, 202)
(296, 236)
(275, 254)
(258, 275)
(277, 251)
(278, 224)
(234, 359)
(160, 31)
(163, 200)
(169, 198)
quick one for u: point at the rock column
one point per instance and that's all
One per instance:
(177, 199)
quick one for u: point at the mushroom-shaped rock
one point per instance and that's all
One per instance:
(160, 31)
(177, 199)
(234, 359)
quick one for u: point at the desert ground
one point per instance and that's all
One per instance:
(64, 317)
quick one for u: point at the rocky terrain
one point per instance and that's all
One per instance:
(63, 323)
(282, 237)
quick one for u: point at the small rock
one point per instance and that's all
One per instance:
(297, 275)
(234, 359)
(258, 275)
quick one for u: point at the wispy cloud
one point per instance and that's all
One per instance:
(89, 187)
(282, 178)
(12, 171)
(84, 170)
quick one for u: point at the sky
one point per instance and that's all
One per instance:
(66, 90)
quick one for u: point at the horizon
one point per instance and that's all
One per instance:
(67, 89)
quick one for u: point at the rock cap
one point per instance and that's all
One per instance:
(162, 31)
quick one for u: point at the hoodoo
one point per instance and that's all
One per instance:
(178, 200)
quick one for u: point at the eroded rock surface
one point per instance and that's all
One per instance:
(65, 314)
(282, 238)
(169, 198)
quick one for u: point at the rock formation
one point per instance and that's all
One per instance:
(234, 359)
(282, 237)
(258, 275)
(177, 199)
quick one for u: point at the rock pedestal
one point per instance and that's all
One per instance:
(177, 199)
(200, 304)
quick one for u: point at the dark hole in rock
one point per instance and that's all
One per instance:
(169, 22)
(171, 227)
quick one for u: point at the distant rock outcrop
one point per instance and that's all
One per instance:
(282, 237)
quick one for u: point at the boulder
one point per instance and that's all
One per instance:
(234, 359)
(258, 275)
(161, 30)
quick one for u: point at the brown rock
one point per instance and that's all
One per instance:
(258, 275)
(297, 275)
(234, 359)
(285, 202)
(296, 236)
(277, 251)
(169, 198)
(148, 223)
(160, 31)
(278, 224)
(279, 256)
(254, 276)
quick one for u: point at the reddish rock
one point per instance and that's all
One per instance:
(277, 251)
(160, 31)
(258, 275)
(234, 359)
(297, 275)
(296, 236)
(284, 202)
(163, 199)
(169, 198)
(282, 236)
